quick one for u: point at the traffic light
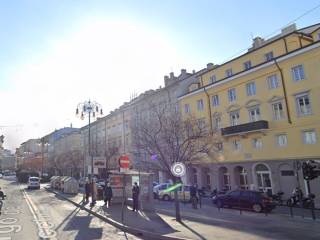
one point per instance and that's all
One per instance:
(309, 171)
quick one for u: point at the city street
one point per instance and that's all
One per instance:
(38, 214)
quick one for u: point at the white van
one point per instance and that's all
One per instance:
(34, 182)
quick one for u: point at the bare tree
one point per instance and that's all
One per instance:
(111, 150)
(173, 138)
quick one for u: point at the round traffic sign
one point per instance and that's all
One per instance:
(178, 169)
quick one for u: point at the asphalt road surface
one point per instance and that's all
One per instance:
(38, 214)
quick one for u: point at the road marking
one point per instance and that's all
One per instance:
(44, 226)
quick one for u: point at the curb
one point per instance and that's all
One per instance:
(135, 231)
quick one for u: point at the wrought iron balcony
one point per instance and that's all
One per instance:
(245, 128)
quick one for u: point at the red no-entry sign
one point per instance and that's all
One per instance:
(124, 161)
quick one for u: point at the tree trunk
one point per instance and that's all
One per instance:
(176, 202)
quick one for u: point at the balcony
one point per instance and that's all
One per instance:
(245, 128)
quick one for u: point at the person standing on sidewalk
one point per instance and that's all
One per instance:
(193, 196)
(87, 190)
(107, 195)
(135, 196)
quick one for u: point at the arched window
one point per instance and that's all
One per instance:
(263, 175)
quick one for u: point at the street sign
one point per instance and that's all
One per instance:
(178, 169)
(99, 162)
(124, 161)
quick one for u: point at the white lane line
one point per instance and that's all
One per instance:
(44, 226)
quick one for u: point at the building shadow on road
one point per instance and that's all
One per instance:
(147, 220)
(81, 224)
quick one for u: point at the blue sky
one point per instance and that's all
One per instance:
(36, 38)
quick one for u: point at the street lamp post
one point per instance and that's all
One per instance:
(42, 144)
(92, 109)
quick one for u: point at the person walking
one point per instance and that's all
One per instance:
(135, 196)
(107, 195)
(193, 196)
(87, 190)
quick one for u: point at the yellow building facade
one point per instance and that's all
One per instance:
(265, 106)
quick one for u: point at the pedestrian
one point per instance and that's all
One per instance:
(107, 195)
(193, 196)
(135, 196)
(87, 189)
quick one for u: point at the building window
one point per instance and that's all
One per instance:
(187, 108)
(200, 105)
(273, 81)
(202, 123)
(268, 56)
(303, 104)
(217, 122)
(220, 146)
(257, 143)
(254, 114)
(234, 118)
(298, 73)
(309, 137)
(287, 173)
(229, 72)
(236, 145)
(247, 65)
(232, 94)
(277, 111)
(213, 79)
(215, 100)
(282, 140)
(251, 89)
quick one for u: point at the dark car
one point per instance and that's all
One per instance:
(245, 199)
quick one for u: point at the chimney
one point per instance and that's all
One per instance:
(171, 75)
(209, 66)
(257, 42)
(193, 71)
(183, 72)
(289, 29)
(166, 80)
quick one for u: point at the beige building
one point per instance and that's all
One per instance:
(264, 104)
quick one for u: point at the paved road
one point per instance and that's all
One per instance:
(209, 223)
(37, 214)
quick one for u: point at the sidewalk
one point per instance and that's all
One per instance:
(205, 223)
(147, 225)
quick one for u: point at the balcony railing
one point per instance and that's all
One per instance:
(245, 128)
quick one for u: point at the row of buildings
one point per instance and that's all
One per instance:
(263, 104)
(7, 159)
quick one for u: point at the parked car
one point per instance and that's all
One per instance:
(160, 187)
(101, 183)
(34, 182)
(245, 199)
(183, 194)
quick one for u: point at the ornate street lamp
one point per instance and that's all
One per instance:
(90, 109)
(42, 143)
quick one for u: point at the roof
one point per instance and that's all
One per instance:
(306, 30)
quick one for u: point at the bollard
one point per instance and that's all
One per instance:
(200, 201)
(312, 212)
(265, 212)
(291, 213)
